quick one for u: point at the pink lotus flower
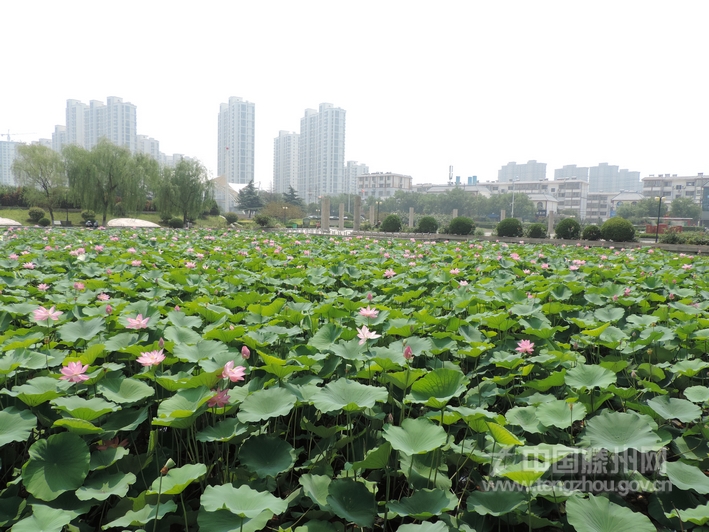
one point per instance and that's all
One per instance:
(138, 322)
(686, 266)
(365, 334)
(151, 358)
(408, 353)
(545, 266)
(190, 265)
(79, 286)
(389, 273)
(455, 271)
(74, 372)
(14, 256)
(98, 249)
(463, 283)
(136, 263)
(43, 314)
(220, 399)
(245, 353)
(103, 297)
(626, 292)
(234, 374)
(525, 346)
(368, 312)
(573, 267)
(28, 265)
(42, 287)
(109, 309)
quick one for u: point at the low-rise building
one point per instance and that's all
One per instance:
(382, 184)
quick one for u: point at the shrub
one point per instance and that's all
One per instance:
(427, 224)
(462, 225)
(591, 232)
(568, 229)
(510, 227)
(176, 222)
(391, 224)
(44, 222)
(119, 209)
(165, 217)
(537, 231)
(672, 238)
(263, 220)
(231, 217)
(618, 230)
(35, 214)
(88, 216)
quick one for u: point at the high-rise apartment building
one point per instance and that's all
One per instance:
(352, 171)
(321, 153)
(571, 171)
(8, 152)
(59, 138)
(76, 116)
(285, 161)
(116, 121)
(148, 145)
(530, 171)
(235, 158)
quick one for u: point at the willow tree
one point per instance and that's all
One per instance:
(41, 170)
(184, 190)
(105, 175)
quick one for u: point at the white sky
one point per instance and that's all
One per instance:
(473, 84)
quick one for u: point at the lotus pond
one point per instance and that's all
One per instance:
(233, 381)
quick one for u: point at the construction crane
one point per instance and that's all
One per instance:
(17, 135)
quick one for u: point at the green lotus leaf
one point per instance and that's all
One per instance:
(183, 380)
(107, 457)
(265, 404)
(102, 485)
(326, 336)
(122, 340)
(77, 426)
(177, 479)
(316, 487)
(225, 521)
(86, 409)
(223, 431)
(184, 403)
(81, 329)
(181, 335)
(143, 516)
(698, 515)
(671, 408)
(243, 501)
(199, 351)
(424, 504)
(560, 414)
(345, 394)
(125, 420)
(44, 519)
(415, 436)
(609, 314)
(180, 319)
(525, 417)
(438, 526)
(58, 464)
(689, 367)
(438, 387)
(585, 377)
(495, 502)
(39, 390)
(377, 458)
(618, 431)
(349, 349)
(598, 514)
(267, 456)
(15, 424)
(352, 501)
(501, 435)
(697, 394)
(687, 477)
(124, 390)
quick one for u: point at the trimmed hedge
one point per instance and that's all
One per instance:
(537, 231)
(591, 232)
(462, 225)
(618, 230)
(568, 229)
(427, 224)
(391, 224)
(511, 227)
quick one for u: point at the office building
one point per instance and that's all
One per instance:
(321, 153)
(235, 158)
(383, 184)
(285, 161)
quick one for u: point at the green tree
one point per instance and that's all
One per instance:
(291, 197)
(685, 208)
(184, 189)
(249, 199)
(42, 172)
(102, 175)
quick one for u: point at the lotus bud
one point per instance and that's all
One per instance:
(408, 353)
(161, 343)
(109, 309)
(168, 465)
(245, 353)
(369, 296)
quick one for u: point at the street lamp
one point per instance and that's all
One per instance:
(513, 197)
(285, 212)
(657, 227)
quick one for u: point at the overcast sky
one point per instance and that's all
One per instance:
(425, 84)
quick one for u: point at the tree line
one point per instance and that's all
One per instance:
(110, 180)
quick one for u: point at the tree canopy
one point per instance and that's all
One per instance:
(184, 190)
(291, 197)
(683, 207)
(41, 170)
(105, 174)
(249, 199)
